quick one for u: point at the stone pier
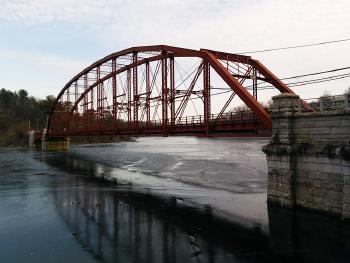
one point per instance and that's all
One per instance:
(55, 143)
(308, 157)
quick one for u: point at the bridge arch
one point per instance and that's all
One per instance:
(116, 94)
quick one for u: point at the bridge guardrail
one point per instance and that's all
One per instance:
(239, 118)
(328, 103)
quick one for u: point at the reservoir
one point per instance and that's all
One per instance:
(176, 199)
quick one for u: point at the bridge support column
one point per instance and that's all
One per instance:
(279, 153)
(165, 98)
(308, 158)
(58, 143)
(206, 96)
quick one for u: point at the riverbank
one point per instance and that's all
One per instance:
(14, 139)
(100, 139)
(21, 139)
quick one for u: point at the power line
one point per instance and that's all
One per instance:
(324, 78)
(311, 74)
(336, 77)
(297, 46)
(302, 82)
(316, 73)
(312, 81)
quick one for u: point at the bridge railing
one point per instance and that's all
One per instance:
(82, 124)
(329, 103)
(239, 117)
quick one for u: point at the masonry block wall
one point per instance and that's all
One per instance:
(308, 158)
(56, 144)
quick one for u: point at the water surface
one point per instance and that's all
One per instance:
(176, 199)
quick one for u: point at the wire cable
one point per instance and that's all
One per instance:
(316, 73)
(297, 46)
(294, 84)
(311, 81)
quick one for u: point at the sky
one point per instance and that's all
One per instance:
(44, 43)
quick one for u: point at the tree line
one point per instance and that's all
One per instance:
(18, 109)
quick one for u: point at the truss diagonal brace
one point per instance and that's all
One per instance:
(276, 82)
(234, 84)
(180, 110)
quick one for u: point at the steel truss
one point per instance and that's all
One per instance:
(144, 90)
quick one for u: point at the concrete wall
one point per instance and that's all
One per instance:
(308, 158)
(56, 144)
(31, 139)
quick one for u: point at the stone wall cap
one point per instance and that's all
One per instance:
(322, 114)
(285, 96)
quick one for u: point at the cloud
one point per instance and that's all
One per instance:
(106, 12)
(38, 12)
(218, 24)
(97, 28)
(42, 61)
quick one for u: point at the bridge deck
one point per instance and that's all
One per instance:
(240, 123)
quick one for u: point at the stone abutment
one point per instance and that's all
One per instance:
(308, 157)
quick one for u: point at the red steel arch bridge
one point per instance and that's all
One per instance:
(165, 90)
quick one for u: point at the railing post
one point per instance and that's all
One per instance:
(321, 104)
(299, 106)
(347, 100)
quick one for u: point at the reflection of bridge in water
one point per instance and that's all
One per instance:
(128, 226)
(124, 225)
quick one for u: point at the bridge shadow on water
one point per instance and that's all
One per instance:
(119, 223)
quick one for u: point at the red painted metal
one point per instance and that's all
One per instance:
(139, 91)
(276, 82)
(114, 94)
(234, 84)
(206, 96)
(128, 79)
(136, 93)
(234, 93)
(148, 95)
(172, 93)
(165, 96)
(183, 104)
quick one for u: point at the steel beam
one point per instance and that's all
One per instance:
(114, 94)
(276, 82)
(245, 96)
(172, 92)
(181, 109)
(165, 96)
(135, 93)
(148, 96)
(255, 84)
(206, 96)
(134, 57)
(129, 91)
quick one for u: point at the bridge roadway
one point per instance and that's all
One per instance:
(234, 124)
